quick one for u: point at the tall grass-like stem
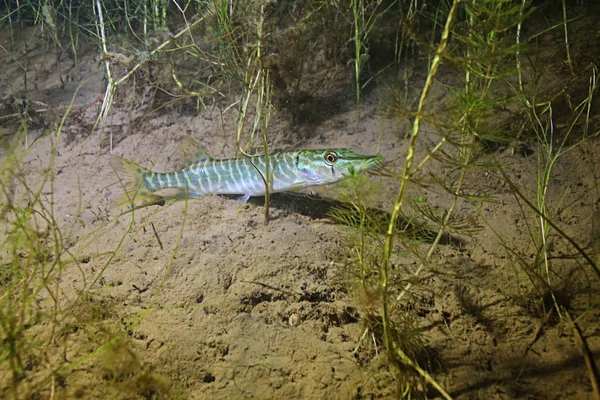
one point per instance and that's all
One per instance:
(390, 343)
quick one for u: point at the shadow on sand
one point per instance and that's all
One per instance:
(317, 207)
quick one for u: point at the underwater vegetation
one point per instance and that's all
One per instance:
(464, 266)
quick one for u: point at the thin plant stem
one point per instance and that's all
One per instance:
(566, 29)
(390, 344)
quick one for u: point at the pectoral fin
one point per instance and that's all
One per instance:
(244, 198)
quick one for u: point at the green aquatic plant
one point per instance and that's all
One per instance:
(42, 317)
(479, 47)
(552, 147)
(365, 14)
(361, 269)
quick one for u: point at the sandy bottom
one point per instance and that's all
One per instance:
(218, 305)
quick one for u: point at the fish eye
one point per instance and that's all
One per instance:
(330, 157)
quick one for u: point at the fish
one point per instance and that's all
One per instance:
(197, 174)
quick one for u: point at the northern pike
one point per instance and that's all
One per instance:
(246, 176)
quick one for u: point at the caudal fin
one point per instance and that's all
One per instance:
(131, 179)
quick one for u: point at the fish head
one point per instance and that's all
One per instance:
(321, 167)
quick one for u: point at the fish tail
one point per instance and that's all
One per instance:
(131, 179)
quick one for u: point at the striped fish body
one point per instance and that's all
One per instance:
(232, 176)
(247, 176)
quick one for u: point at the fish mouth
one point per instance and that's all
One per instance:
(378, 160)
(364, 163)
(375, 165)
(374, 162)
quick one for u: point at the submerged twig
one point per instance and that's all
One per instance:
(587, 355)
(156, 235)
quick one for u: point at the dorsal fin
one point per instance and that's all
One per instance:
(188, 152)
